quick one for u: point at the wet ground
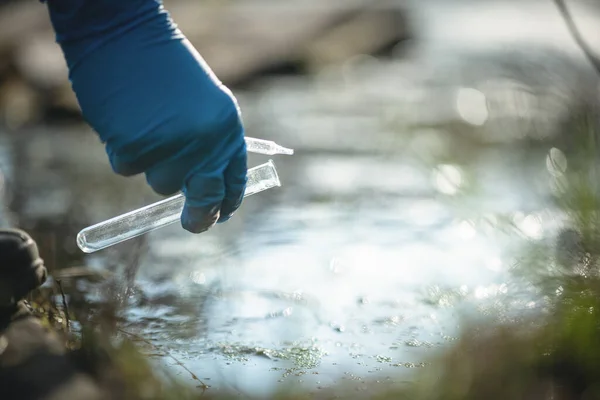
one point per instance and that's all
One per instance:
(387, 231)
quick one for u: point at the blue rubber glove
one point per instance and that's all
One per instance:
(155, 103)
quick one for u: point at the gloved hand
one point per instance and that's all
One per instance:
(155, 103)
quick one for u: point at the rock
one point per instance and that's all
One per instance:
(20, 103)
(21, 268)
(269, 34)
(19, 20)
(240, 41)
(34, 363)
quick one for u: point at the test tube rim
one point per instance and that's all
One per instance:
(274, 169)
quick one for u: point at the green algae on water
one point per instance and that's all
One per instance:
(302, 357)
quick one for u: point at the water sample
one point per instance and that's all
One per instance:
(266, 147)
(157, 215)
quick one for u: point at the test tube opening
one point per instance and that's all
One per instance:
(271, 165)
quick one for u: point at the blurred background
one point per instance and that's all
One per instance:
(420, 128)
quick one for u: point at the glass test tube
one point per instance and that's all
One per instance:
(162, 213)
(268, 147)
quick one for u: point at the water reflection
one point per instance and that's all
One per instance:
(448, 179)
(556, 162)
(471, 105)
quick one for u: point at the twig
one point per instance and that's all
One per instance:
(587, 51)
(65, 305)
(203, 385)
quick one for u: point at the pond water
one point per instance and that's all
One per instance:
(385, 233)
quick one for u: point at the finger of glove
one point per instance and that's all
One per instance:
(120, 165)
(204, 193)
(138, 157)
(169, 176)
(235, 184)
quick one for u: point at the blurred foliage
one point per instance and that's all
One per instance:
(556, 353)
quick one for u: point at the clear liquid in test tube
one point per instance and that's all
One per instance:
(157, 215)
